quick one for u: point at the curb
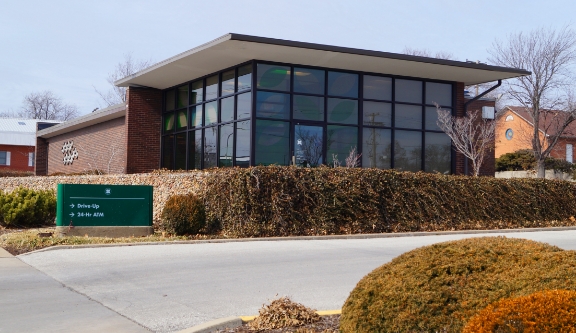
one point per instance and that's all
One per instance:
(233, 322)
(291, 238)
(5, 254)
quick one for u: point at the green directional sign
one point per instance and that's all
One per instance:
(104, 205)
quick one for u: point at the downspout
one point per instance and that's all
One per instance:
(466, 112)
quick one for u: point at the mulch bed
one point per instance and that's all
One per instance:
(327, 324)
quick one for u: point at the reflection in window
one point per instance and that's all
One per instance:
(182, 96)
(181, 121)
(228, 85)
(197, 92)
(244, 105)
(377, 87)
(309, 81)
(243, 144)
(210, 135)
(196, 116)
(170, 100)
(408, 91)
(408, 116)
(376, 148)
(210, 113)
(180, 161)
(438, 153)
(408, 151)
(212, 87)
(308, 145)
(226, 145)
(273, 77)
(342, 84)
(342, 111)
(195, 150)
(340, 140)
(272, 142)
(227, 109)
(168, 152)
(432, 119)
(308, 108)
(377, 114)
(273, 105)
(439, 93)
(245, 77)
(168, 122)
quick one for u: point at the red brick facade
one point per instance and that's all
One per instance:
(18, 157)
(143, 126)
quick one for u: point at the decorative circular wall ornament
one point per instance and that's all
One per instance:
(509, 134)
(70, 152)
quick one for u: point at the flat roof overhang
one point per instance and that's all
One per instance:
(233, 49)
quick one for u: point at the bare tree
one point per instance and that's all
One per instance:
(116, 95)
(545, 94)
(46, 105)
(471, 135)
(427, 53)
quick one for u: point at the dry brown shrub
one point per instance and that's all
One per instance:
(545, 311)
(283, 312)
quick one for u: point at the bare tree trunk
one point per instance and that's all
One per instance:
(540, 167)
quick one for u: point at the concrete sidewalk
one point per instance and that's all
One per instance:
(31, 301)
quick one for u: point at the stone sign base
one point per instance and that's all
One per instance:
(112, 232)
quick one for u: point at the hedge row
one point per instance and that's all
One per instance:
(282, 201)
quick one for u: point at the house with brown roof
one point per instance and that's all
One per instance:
(515, 128)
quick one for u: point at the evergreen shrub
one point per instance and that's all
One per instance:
(27, 208)
(438, 288)
(284, 201)
(544, 311)
(524, 159)
(183, 214)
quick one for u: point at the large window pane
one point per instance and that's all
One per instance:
(228, 84)
(183, 96)
(439, 93)
(168, 152)
(343, 111)
(195, 150)
(244, 105)
(210, 144)
(377, 87)
(408, 116)
(181, 120)
(273, 77)
(377, 114)
(243, 144)
(409, 91)
(272, 142)
(212, 87)
(437, 155)
(309, 81)
(245, 77)
(227, 109)
(168, 122)
(342, 84)
(226, 145)
(340, 140)
(196, 116)
(377, 148)
(432, 118)
(273, 105)
(169, 100)
(408, 151)
(308, 145)
(210, 113)
(308, 108)
(180, 152)
(197, 92)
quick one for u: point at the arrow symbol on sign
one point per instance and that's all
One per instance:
(72, 206)
(72, 214)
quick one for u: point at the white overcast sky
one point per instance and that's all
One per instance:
(69, 47)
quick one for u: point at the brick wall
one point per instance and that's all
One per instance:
(41, 165)
(100, 147)
(18, 157)
(143, 125)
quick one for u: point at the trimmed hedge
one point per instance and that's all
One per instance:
(27, 208)
(183, 214)
(283, 201)
(438, 288)
(545, 311)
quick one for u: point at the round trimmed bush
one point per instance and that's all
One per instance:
(441, 286)
(183, 214)
(27, 208)
(545, 311)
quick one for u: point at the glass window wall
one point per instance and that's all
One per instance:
(273, 77)
(377, 87)
(310, 81)
(343, 84)
(211, 87)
